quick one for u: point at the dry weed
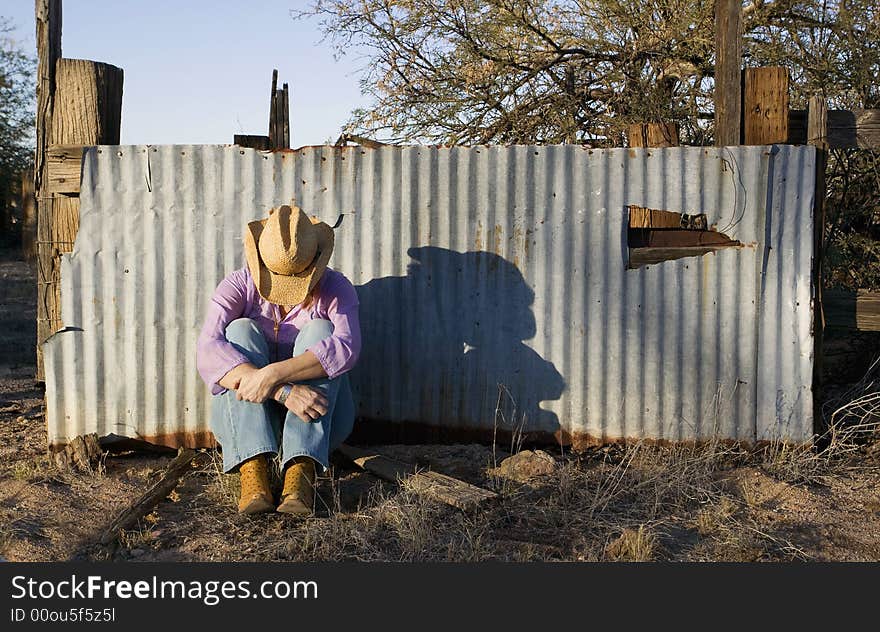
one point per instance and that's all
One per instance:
(633, 545)
(713, 517)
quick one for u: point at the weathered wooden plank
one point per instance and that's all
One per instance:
(382, 466)
(434, 485)
(88, 99)
(64, 169)
(48, 23)
(648, 256)
(29, 216)
(677, 238)
(363, 141)
(728, 72)
(449, 490)
(83, 453)
(857, 310)
(279, 120)
(252, 141)
(273, 96)
(152, 497)
(87, 111)
(765, 106)
(652, 135)
(817, 135)
(285, 118)
(641, 217)
(846, 129)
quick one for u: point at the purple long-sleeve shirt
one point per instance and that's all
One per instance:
(237, 297)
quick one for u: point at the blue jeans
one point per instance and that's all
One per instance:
(246, 429)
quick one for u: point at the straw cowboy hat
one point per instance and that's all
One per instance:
(287, 253)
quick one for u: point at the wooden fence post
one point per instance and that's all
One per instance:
(88, 111)
(652, 135)
(765, 110)
(817, 135)
(728, 72)
(48, 23)
(273, 118)
(28, 216)
(285, 116)
(88, 103)
(279, 115)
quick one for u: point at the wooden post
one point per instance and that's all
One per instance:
(765, 116)
(817, 135)
(48, 23)
(278, 111)
(652, 135)
(89, 103)
(252, 141)
(29, 216)
(728, 69)
(273, 97)
(279, 115)
(285, 118)
(87, 111)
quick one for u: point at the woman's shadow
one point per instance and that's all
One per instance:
(443, 355)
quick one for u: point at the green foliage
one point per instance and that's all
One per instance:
(16, 111)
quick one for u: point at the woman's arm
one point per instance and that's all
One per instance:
(330, 357)
(216, 358)
(233, 378)
(258, 385)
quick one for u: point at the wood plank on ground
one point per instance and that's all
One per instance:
(434, 485)
(152, 497)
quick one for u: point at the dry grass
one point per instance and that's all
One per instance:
(638, 502)
(624, 503)
(633, 545)
(32, 469)
(630, 504)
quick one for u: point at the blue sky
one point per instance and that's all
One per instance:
(199, 71)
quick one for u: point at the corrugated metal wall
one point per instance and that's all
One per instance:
(487, 276)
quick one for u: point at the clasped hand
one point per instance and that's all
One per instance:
(258, 385)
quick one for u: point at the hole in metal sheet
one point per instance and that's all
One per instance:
(654, 236)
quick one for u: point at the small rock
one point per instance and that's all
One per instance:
(526, 465)
(137, 552)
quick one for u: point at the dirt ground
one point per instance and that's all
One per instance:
(628, 503)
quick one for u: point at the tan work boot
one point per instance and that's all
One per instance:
(298, 495)
(256, 496)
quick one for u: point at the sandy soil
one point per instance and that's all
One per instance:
(618, 503)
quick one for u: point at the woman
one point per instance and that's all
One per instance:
(278, 339)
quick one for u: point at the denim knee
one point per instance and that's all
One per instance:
(243, 330)
(313, 331)
(245, 335)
